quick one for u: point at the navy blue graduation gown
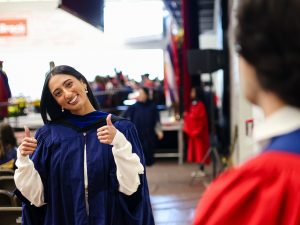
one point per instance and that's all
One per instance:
(10, 155)
(59, 159)
(145, 115)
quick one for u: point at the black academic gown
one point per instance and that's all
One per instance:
(59, 159)
(145, 115)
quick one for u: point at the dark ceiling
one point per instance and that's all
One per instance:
(205, 13)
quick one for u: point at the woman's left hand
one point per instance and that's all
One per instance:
(107, 133)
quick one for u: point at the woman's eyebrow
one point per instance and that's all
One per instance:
(63, 85)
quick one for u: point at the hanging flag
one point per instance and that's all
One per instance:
(171, 91)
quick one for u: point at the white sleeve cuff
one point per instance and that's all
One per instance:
(119, 140)
(128, 164)
(22, 161)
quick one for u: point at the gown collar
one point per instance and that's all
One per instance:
(83, 123)
(286, 143)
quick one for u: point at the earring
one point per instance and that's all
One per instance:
(86, 91)
(62, 109)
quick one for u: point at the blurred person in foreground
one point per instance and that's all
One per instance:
(266, 188)
(83, 166)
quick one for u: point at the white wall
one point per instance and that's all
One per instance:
(54, 34)
(241, 109)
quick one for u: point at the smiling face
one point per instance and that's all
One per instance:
(69, 93)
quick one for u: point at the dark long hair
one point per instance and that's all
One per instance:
(199, 93)
(7, 139)
(50, 109)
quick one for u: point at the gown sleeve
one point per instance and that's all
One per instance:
(128, 165)
(134, 209)
(28, 180)
(31, 214)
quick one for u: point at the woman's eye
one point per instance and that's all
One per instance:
(57, 93)
(69, 84)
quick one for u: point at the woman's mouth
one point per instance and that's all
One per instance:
(73, 100)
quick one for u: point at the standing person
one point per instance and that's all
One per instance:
(196, 128)
(5, 93)
(265, 189)
(8, 147)
(85, 166)
(145, 116)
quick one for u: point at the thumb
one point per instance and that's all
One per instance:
(108, 120)
(27, 131)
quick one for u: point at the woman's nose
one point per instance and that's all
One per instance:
(68, 94)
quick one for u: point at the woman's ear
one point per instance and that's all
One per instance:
(84, 84)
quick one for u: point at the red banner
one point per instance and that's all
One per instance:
(13, 27)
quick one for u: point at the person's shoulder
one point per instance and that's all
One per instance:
(231, 179)
(48, 127)
(200, 104)
(255, 175)
(42, 134)
(42, 130)
(122, 123)
(153, 105)
(254, 168)
(253, 185)
(273, 162)
(47, 130)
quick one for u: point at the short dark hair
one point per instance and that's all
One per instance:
(267, 36)
(50, 109)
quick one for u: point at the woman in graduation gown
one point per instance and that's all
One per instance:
(266, 188)
(196, 128)
(145, 116)
(84, 167)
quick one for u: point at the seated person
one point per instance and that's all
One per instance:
(8, 143)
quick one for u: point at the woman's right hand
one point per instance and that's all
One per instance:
(28, 144)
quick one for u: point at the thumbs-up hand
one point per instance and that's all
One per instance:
(28, 144)
(107, 133)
